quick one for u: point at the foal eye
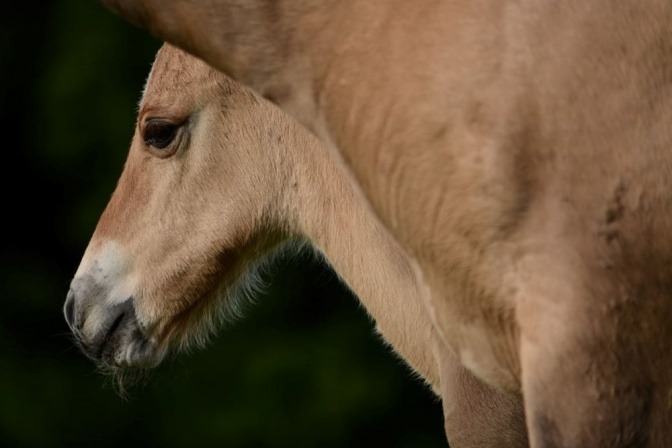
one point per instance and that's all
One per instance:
(159, 133)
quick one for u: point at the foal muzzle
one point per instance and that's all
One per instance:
(108, 332)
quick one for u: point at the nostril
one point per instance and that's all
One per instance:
(69, 309)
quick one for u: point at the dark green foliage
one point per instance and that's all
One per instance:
(303, 369)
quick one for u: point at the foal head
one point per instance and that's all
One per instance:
(198, 205)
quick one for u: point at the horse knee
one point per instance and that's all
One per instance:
(476, 415)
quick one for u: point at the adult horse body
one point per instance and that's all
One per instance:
(519, 152)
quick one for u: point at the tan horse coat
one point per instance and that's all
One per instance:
(519, 152)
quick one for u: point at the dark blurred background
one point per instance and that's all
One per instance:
(304, 368)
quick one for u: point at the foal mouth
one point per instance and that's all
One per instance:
(99, 347)
(119, 341)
